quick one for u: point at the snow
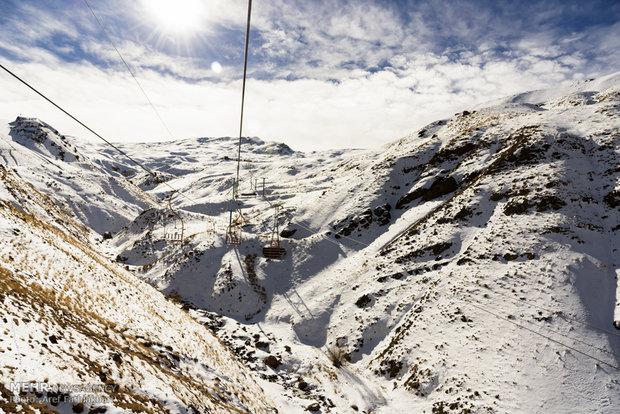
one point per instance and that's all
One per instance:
(471, 266)
(72, 317)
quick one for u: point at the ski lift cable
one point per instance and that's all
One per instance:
(109, 38)
(479, 306)
(587, 344)
(233, 232)
(323, 235)
(543, 336)
(107, 35)
(562, 315)
(245, 70)
(120, 151)
(328, 238)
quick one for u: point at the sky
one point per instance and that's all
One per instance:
(322, 74)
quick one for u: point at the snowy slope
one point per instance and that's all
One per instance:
(104, 200)
(523, 243)
(71, 316)
(471, 266)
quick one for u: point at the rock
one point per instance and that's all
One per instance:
(441, 186)
(409, 197)
(313, 407)
(549, 202)
(613, 199)
(397, 276)
(510, 256)
(439, 248)
(383, 214)
(272, 362)
(262, 344)
(363, 301)
(463, 214)
(517, 207)
(394, 368)
(286, 233)
(117, 358)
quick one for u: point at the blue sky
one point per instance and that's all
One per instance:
(322, 74)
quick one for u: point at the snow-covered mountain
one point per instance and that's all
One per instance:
(472, 266)
(73, 318)
(98, 196)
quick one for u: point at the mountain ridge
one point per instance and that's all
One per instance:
(470, 266)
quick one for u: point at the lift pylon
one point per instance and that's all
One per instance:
(233, 231)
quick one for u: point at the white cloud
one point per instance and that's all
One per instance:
(322, 69)
(366, 111)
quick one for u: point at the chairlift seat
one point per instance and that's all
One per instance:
(233, 237)
(274, 252)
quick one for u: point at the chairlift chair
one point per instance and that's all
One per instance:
(274, 250)
(233, 235)
(174, 231)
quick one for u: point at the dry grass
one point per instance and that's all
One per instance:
(70, 316)
(95, 286)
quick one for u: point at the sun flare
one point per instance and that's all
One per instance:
(176, 16)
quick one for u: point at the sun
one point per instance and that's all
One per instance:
(176, 16)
